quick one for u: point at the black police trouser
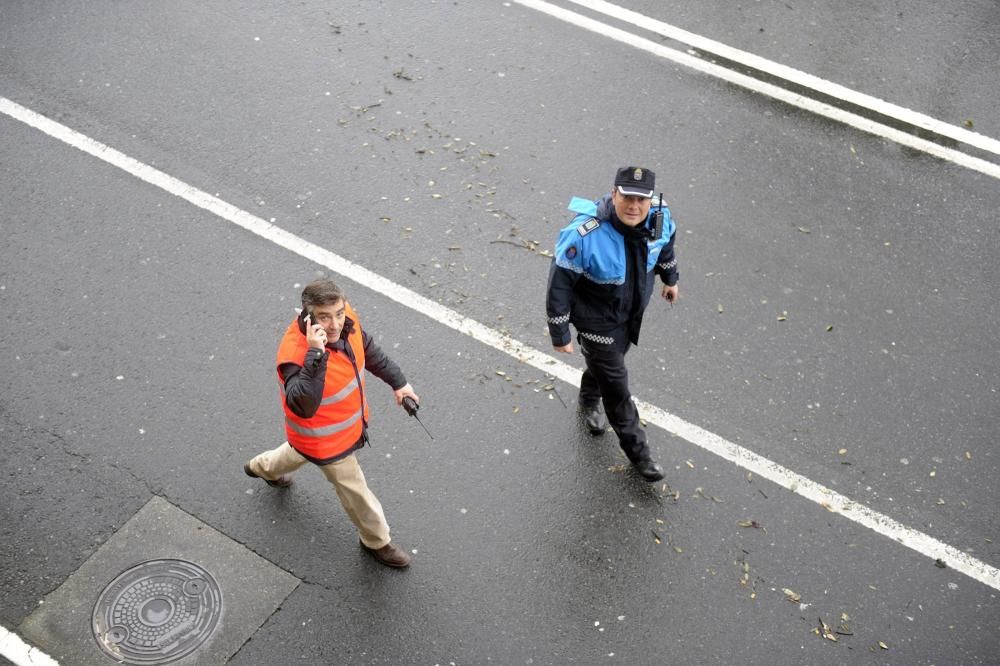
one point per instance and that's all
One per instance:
(606, 380)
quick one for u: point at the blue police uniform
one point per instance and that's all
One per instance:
(601, 280)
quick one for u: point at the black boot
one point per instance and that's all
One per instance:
(594, 417)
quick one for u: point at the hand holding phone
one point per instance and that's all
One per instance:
(315, 335)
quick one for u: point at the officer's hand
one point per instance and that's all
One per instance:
(671, 293)
(315, 335)
(405, 391)
(565, 349)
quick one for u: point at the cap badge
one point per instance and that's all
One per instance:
(637, 175)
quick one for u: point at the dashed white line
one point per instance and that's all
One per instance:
(762, 467)
(806, 103)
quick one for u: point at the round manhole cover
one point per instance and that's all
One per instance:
(157, 612)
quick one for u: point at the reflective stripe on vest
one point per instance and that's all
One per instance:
(324, 431)
(341, 394)
(329, 400)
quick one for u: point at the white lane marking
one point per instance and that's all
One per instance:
(796, 76)
(771, 90)
(762, 467)
(20, 653)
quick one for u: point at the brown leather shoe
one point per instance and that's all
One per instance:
(282, 481)
(390, 555)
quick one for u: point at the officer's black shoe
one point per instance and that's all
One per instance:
(649, 470)
(282, 481)
(597, 422)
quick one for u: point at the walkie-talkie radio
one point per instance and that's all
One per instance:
(658, 218)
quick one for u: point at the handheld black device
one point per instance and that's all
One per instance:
(658, 219)
(302, 320)
(411, 407)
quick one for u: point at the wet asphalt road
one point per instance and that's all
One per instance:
(429, 142)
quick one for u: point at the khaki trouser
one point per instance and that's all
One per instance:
(359, 502)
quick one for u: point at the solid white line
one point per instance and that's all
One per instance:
(762, 467)
(796, 76)
(764, 88)
(20, 653)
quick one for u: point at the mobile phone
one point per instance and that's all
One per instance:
(302, 320)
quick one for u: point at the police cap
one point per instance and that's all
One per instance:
(635, 182)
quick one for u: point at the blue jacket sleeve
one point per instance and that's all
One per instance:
(559, 303)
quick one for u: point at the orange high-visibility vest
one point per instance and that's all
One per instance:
(343, 413)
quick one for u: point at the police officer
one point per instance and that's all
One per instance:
(601, 280)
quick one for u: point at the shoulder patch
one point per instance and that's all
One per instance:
(588, 226)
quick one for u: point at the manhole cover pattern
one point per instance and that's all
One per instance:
(157, 612)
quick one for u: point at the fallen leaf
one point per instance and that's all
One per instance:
(883, 645)
(794, 597)
(842, 452)
(678, 550)
(827, 633)
(745, 523)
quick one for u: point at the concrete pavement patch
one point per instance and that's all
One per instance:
(165, 588)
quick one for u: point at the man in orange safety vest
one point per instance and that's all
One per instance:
(321, 362)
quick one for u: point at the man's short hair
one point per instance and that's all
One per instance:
(321, 292)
